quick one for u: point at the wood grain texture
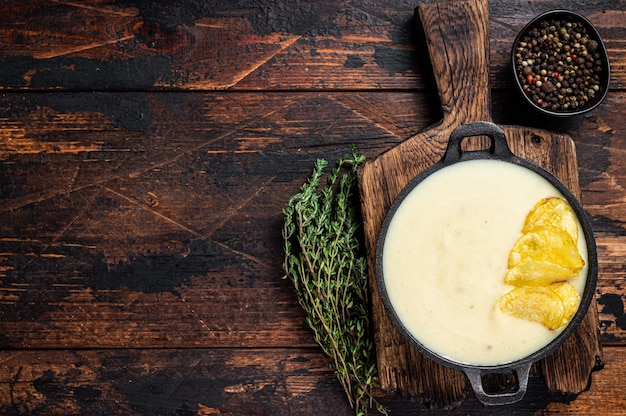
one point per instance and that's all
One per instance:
(146, 235)
(457, 37)
(168, 382)
(248, 45)
(239, 382)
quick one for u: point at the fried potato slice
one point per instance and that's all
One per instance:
(570, 297)
(554, 212)
(538, 273)
(542, 259)
(553, 306)
(550, 244)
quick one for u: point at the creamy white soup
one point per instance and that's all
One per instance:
(445, 257)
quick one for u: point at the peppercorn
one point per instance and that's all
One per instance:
(558, 64)
(548, 87)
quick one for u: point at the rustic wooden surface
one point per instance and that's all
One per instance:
(146, 150)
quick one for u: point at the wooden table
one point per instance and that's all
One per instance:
(146, 151)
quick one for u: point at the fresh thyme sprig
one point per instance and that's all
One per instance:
(323, 260)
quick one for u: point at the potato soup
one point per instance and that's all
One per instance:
(445, 257)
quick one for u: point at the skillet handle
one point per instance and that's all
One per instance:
(495, 399)
(499, 147)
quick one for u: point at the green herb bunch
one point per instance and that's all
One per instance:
(324, 262)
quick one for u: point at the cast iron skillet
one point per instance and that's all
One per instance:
(499, 150)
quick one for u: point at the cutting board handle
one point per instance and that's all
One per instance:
(457, 38)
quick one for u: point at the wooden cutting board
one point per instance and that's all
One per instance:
(457, 37)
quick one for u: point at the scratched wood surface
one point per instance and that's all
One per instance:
(146, 150)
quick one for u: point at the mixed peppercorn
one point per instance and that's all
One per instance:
(559, 65)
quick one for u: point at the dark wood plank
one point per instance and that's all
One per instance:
(237, 382)
(360, 45)
(160, 225)
(168, 382)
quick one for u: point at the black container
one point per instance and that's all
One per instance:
(605, 75)
(499, 150)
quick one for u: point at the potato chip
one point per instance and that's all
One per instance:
(550, 244)
(534, 303)
(538, 273)
(552, 306)
(570, 297)
(554, 212)
(541, 260)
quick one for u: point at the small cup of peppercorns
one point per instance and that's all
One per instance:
(560, 64)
